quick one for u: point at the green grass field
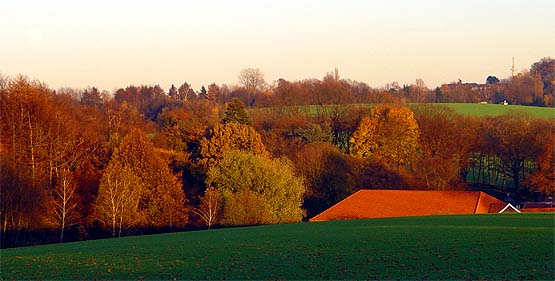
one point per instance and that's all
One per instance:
(471, 109)
(514, 246)
(474, 109)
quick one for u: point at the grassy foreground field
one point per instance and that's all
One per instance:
(515, 246)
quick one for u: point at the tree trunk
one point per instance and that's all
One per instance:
(32, 148)
(120, 223)
(62, 230)
(516, 178)
(114, 226)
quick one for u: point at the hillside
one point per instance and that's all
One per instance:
(498, 109)
(517, 246)
(470, 109)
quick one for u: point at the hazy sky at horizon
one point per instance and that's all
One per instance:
(111, 44)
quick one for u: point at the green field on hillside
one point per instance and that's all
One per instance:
(471, 109)
(474, 109)
(513, 246)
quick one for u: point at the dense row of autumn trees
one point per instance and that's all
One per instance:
(535, 86)
(132, 162)
(87, 164)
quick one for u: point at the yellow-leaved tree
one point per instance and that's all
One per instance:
(230, 136)
(257, 190)
(117, 203)
(390, 134)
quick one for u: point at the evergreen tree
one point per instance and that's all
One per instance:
(203, 95)
(214, 92)
(173, 92)
(236, 112)
(492, 80)
(92, 97)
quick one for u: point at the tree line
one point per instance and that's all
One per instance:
(86, 164)
(535, 86)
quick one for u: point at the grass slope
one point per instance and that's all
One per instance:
(471, 109)
(474, 109)
(514, 246)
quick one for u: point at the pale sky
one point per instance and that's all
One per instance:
(112, 44)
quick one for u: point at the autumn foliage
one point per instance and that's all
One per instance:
(227, 137)
(87, 163)
(139, 186)
(257, 190)
(390, 134)
(443, 152)
(544, 178)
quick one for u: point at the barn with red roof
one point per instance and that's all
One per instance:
(367, 203)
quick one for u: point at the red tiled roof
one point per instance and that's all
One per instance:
(403, 203)
(496, 207)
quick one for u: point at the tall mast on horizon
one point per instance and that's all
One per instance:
(513, 74)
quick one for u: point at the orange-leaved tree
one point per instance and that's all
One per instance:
(41, 130)
(516, 140)
(446, 140)
(22, 204)
(544, 178)
(161, 200)
(328, 174)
